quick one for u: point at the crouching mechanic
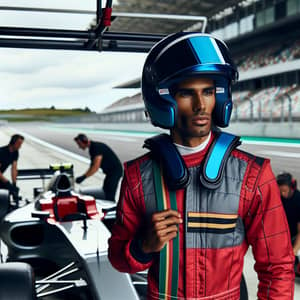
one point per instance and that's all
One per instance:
(190, 208)
(102, 156)
(290, 197)
(9, 155)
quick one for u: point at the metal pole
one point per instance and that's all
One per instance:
(251, 112)
(282, 110)
(236, 114)
(43, 32)
(47, 10)
(259, 110)
(99, 11)
(115, 14)
(160, 16)
(251, 108)
(290, 117)
(272, 101)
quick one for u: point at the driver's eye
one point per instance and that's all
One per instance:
(208, 92)
(184, 93)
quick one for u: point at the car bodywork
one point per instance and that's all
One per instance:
(61, 234)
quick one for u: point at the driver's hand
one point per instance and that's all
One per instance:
(164, 228)
(80, 179)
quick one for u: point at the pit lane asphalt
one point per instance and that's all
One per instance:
(129, 146)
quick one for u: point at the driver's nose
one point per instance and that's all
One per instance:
(198, 102)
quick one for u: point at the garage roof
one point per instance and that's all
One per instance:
(177, 7)
(120, 36)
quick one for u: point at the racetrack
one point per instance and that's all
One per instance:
(284, 156)
(128, 146)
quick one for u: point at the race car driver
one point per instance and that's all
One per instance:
(9, 155)
(190, 208)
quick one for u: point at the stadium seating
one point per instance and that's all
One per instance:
(272, 55)
(267, 104)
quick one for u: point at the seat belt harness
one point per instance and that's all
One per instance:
(169, 255)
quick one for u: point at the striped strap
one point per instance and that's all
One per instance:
(169, 255)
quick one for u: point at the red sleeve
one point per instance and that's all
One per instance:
(130, 213)
(268, 234)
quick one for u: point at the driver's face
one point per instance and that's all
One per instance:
(196, 100)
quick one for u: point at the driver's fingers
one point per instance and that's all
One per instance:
(167, 223)
(160, 216)
(165, 238)
(167, 230)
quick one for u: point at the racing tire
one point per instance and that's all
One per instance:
(4, 203)
(243, 289)
(140, 285)
(17, 281)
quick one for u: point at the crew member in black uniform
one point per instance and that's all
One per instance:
(9, 155)
(102, 157)
(290, 197)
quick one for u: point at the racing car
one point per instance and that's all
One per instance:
(63, 237)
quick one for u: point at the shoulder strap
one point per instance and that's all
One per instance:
(175, 171)
(216, 159)
(164, 152)
(169, 255)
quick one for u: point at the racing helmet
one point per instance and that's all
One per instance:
(177, 57)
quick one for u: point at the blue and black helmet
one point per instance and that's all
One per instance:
(177, 57)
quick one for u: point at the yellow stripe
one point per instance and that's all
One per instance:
(164, 192)
(210, 225)
(211, 215)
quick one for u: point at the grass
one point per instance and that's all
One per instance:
(41, 114)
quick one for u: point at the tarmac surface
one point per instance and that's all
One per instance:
(42, 147)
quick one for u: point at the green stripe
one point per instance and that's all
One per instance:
(158, 186)
(130, 132)
(270, 139)
(102, 130)
(174, 257)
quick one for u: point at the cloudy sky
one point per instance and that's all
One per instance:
(65, 79)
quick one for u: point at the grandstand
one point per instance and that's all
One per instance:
(264, 37)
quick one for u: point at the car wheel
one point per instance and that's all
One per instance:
(17, 281)
(4, 203)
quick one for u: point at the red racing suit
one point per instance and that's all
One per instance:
(211, 261)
